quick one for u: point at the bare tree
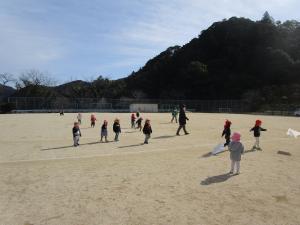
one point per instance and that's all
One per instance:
(6, 78)
(34, 78)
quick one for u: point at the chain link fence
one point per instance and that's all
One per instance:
(121, 105)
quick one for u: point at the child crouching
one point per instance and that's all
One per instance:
(236, 149)
(76, 134)
(147, 130)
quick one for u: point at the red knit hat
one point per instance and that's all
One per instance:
(227, 123)
(258, 123)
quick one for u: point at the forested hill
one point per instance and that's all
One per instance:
(233, 59)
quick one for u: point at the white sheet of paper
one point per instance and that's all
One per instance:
(219, 148)
(293, 133)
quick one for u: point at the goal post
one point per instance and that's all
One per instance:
(143, 107)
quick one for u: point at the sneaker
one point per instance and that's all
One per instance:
(259, 149)
(230, 172)
(237, 173)
(187, 133)
(178, 134)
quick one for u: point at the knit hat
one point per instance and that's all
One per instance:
(258, 123)
(227, 123)
(236, 137)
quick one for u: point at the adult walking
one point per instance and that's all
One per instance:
(182, 120)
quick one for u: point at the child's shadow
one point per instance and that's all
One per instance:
(72, 146)
(128, 146)
(134, 131)
(250, 150)
(216, 179)
(209, 154)
(164, 136)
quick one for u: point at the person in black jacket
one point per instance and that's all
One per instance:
(117, 129)
(182, 120)
(147, 130)
(227, 132)
(256, 130)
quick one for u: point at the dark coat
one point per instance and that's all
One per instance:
(147, 129)
(257, 130)
(182, 117)
(116, 127)
(76, 131)
(226, 132)
(139, 121)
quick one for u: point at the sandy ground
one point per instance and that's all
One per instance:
(172, 180)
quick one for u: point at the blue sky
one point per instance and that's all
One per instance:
(76, 39)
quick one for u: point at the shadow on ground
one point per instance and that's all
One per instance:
(164, 136)
(128, 146)
(216, 179)
(209, 154)
(71, 146)
(134, 131)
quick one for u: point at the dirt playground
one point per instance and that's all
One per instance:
(173, 180)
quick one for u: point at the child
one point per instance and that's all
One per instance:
(236, 149)
(139, 123)
(104, 131)
(76, 134)
(132, 120)
(227, 132)
(117, 129)
(174, 115)
(257, 130)
(93, 120)
(147, 130)
(79, 117)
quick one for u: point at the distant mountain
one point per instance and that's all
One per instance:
(73, 89)
(257, 61)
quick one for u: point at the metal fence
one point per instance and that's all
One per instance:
(121, 105)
